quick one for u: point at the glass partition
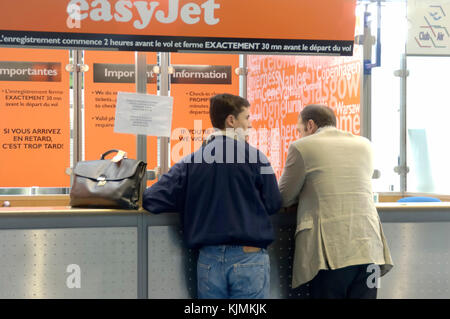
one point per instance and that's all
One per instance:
(386, 92)
(428, 120)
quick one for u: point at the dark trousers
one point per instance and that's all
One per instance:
(343, 283)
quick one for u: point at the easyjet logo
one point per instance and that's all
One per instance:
(142, 13)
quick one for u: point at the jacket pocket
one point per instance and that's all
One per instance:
(304, 225)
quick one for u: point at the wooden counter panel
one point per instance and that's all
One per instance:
(52, 210)
(35, 200)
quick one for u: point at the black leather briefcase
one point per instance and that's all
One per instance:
(104, 183)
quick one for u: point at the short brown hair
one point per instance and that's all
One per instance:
(222, 105)
(321, 115)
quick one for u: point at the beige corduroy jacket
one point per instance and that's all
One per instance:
(329, 175)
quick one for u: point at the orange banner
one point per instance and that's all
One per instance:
(175, 25)
(109, 73)
(197, 77)
(279, 87)
(34, 118)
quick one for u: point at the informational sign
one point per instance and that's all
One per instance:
(109, 73)
(196, 79)
(428, 27)
(264, 26)
(143, 114)
(34, 118)
(279, 87)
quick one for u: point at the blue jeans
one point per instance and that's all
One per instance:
(229, 272)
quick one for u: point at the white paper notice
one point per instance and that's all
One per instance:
(143, 114)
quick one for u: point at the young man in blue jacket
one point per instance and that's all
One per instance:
(225, 193)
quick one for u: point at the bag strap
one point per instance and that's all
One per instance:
(107, 153)
(120, 155)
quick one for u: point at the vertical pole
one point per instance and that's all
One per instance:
(141, 151)
(243, 76)
(403, 160)
(142, 256)
(141, 87)
(164, 91)
(77, 116)
(366, 109)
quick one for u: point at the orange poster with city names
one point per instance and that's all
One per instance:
(279, 87)
(197, 77)
(109, 73)
(34, 118)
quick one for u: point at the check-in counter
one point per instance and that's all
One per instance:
(418, 235)
(61, 252)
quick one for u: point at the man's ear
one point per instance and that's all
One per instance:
(312, 127)
(229, 121)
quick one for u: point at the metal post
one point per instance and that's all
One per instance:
(142, 255)
(163, 81)
(366, 108)
(403, 160)
(243, 75)
(77, 116)
(141, 151)
(141, 87)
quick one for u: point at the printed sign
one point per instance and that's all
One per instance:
(34, 118)
(429, 27)
(201, 74)
(264, 26)
(30, 71)
(119, 73)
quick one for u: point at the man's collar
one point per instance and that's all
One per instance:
(324, 128)
(231, 133)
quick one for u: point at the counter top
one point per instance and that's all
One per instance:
(66, 216)
(49, 210)
(413, 206)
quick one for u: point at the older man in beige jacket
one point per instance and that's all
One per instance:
(340, 248)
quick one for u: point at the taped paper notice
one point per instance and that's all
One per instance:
(143, 114)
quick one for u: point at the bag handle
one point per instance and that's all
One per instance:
(108, 152)
(120, 155)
